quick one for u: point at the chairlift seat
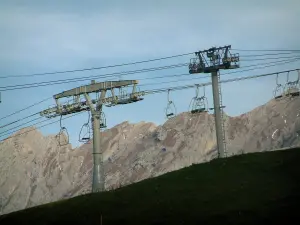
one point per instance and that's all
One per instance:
(170, 114)
(102, 125)
(293, 94)
(129, 100)
(296, 93)
(198, 110)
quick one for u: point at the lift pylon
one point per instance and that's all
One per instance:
(171, 108)
(211, 61)
(95, 106)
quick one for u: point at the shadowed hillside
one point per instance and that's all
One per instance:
(255, 188)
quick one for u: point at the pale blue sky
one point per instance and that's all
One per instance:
(43, 36)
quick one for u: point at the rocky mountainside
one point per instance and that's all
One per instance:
(34, 169)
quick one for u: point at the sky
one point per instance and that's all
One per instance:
(46, 36)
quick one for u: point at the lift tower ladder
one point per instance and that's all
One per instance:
(212, 61)
(95, 106)
(222, 115)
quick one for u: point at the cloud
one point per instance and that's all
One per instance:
(32, 36)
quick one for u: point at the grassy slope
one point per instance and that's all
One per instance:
(258, 188)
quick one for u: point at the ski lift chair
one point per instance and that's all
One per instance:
(171, 108)
(87, 136)
(198, 104)
(63, 130)
(292, 87)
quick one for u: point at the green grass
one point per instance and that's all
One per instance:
(258, 188)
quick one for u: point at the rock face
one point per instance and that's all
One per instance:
(34, 169)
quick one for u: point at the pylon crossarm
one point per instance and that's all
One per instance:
(83, 106)
(95, 87)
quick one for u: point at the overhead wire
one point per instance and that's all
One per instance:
(197, 78)
(141, 79)
(124, 64)
(133, 63)
(64, 81)
(8, 124)
(4, 132)
(269, 54)
(194, 78)
(266, 50)
(165, 89)
(97, 68)
(266, 66)
(18, 111)
(177, 88)
(24, 122)
(54, 82)
(258, 59)
(25, 132)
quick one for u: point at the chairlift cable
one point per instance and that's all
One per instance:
(25, 132)
(154, 91)
(266, 50)
(262, 59)
(72, 80)
(50, 83)
(26, 108)
(268, 54)
(189, 86)
(20, 125)
(19, 120)
(97, 68)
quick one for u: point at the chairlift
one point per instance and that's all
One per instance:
(87, 136)
(291, 87)
(279, 90)
(170, 109)
(102, 120)
(63, 131)
(198, 104)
